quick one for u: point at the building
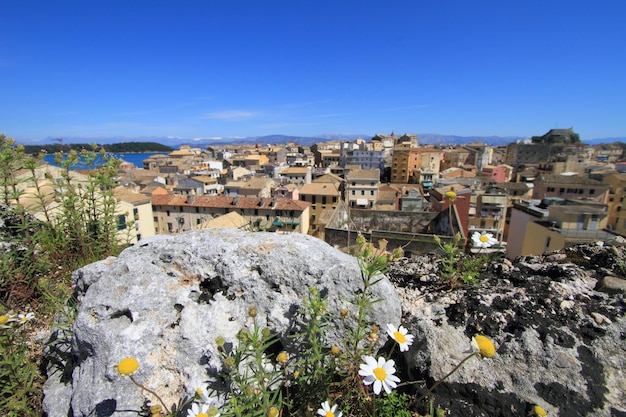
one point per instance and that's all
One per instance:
(297, 175)
(322, 196)
(362, 187)
(254, 187)
(176, 213)
(362, 157)
(616, 201)
(479, 154)
(495, 173)
(570, 187)
(412, 199)
(135, 218)
(489, 214)
(416, 166)
(550, 227)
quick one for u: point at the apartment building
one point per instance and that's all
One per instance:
(366, 159)
(570, 187)
(176, 213)
(488, 214)
(297, 175)
(416, 166)
(135, 218)
(362, 187)
(616, 201)
(547, 228)
(322, 196)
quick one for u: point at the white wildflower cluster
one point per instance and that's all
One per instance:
(203, 405)
(380, 372)
(7, 320)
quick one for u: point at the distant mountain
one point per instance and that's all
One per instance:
(424, 139)
(175, 142)
(436, 139)
(604, 140)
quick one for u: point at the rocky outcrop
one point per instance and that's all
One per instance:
(557, 322)
(166, 300)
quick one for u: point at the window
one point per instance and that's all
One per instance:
(372, 192)
(362, 192)
(121, 222)
(592, 191)
(550, 189)
(135, 212)
(168, 212)
(170, 227)
(324, 200)
(561, 190)
(353, 192)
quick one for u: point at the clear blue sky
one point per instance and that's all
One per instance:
(199, 69)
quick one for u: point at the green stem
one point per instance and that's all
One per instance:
(431, 389)
(151, 392)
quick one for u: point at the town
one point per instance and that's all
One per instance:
(533, 196)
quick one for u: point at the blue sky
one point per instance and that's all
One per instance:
(200, 69)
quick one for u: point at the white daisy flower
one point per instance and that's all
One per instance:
(198, 410)
(483, 240)
(202, 393)
(23, 318)
(327, 411)
(6, 318)
(380, 373)
(401, 336)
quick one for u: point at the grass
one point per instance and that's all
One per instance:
(52, 227)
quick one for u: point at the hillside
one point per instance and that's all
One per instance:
(124, 147)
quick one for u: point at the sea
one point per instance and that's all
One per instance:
(134, 158)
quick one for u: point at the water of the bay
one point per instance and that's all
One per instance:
(134, 158)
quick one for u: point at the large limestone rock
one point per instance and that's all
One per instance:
(560, 334)
(166, 300)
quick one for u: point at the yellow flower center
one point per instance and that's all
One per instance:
(282, 357)
(484, 238)
(127, 366)
(202, 415)
(273, 412)
(4, 319)
(330, 414)
(380, 374)
(199, 391)
(400, 338)
(540, 411)
(485, 346)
